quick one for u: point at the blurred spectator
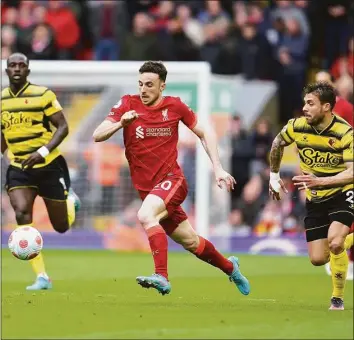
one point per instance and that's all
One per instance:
(292, 56)
(10, 17)
(25, 14)
(65, 26)
(8, 37)
(214, 34)
(192, 28)
(42, 44)
(6, 51)
(108, 26)
(343, 107)
(254, 196)
(283, 217)
(141, 43)
(162, 14)
(213, 12)
(286, 10)
(241, 155)
(262, 138)
(344, 64)
(256, 54)
(336, 30)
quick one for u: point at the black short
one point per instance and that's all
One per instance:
(319, 217)
(51, 181)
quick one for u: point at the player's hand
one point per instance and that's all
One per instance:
(128, 118)
(306, 181)
(275, 185)
(33, 159)
(221, 176)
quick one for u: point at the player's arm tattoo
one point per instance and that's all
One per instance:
(59, 121)
(276, 153)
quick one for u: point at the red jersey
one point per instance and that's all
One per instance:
(151, 140)
(344, 109)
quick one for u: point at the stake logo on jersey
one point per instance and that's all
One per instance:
(317, 159)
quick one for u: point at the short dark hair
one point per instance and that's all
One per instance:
(154, 67)
(325, 92)
(17, 55)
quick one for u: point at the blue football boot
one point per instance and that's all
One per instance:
(157, 281)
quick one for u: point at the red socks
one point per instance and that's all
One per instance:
(207, 253)
(159, 246)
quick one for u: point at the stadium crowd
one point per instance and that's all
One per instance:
(280, 40)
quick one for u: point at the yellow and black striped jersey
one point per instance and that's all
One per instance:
(322, 153)
(25, 123)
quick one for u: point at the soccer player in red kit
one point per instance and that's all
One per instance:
(150, 129)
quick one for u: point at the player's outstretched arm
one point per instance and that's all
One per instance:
(62, 130)
(108, 127)
(208, 138)
(309, 181)
(276, 156)
(106, 130)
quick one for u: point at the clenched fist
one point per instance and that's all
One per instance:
(128, 118)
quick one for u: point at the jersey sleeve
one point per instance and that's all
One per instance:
(348, 145)
(287, 132)
(50, 103)
(118, 109)
(188, 116)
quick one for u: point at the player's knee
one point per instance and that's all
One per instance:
(61, 227)
(146, 218)
(319, 260)
(336, 245)
(23, 215)
(191, 243)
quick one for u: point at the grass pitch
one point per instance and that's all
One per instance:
(95, 297)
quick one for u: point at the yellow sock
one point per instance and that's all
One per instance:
(71, 211)
(339, 267)
(348, 243)
(38, 264)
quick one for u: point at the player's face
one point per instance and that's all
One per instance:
(17, 70)
(313, 110)
(150, 88)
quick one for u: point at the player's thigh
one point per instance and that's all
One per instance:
(318, 251)
(63, 165)
(22, 190)
(173, 191)
(185, 234)
(51, 182)
(341, 216)
(317, 224)
(152, 210)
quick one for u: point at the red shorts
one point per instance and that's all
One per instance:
(173, 190)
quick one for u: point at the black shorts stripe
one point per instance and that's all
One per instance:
(24, 138)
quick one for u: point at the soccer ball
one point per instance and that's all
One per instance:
(25, 242)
